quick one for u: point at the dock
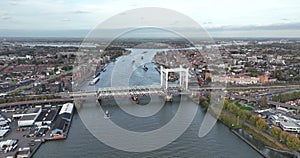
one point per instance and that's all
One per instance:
(29, 137)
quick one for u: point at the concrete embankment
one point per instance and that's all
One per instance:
(250, 144)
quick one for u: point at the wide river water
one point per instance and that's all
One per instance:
(219, 142)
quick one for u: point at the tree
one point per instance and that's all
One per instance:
(204, 102)
(264, 101)
(261, 124)
(253, 119)
(275, 132)
(226, 102)
(244, 114)
(292, 141)
(232, 108)
(283, 136)
(208, 79)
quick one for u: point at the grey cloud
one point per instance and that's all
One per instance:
(16, 2)
(5, 17)
(278, 26)
(80, 12)
(208, 22)
(65, 20)
(285, 19)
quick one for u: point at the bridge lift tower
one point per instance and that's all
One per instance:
(183, 76)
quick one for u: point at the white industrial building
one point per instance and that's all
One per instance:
(276, 119)
(27, 120)
(63, 118)
(28, 117)
(285, 123)
(66, 108)
(30, 111)
(290, 126)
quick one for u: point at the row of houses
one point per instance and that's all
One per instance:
(241, 80)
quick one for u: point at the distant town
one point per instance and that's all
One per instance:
(262, 78)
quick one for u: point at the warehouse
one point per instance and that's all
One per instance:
(27, 112)
(59, 126)
(27, 120)
(47, 116)
(27, 117)
(63, 118)
(67, 108)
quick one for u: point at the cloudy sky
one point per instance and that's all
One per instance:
(222, 18)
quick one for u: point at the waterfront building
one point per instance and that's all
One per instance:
(59, 126)
(66, 108)
(63, 119)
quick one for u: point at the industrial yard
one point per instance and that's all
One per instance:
(23, 129)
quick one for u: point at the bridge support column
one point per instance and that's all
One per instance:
(180, 77)
(167, 77)
(186, 79)
(161, 76)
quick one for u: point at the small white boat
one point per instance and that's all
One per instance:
(106, 115)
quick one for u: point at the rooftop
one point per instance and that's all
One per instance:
(3, 132)
(289, 124)
(27, 117)
(66, 108)
(47, 114)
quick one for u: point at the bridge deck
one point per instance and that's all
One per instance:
(134, 90)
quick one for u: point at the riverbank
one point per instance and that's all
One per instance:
(233, 122)
(63, 137)
(28, 138)
(249, 143)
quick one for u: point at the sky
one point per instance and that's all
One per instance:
(224, 18)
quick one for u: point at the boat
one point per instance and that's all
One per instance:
(106, 115)
(94, 81)
(172, 77)
(96, 74)
(135, 99)
(145, 68)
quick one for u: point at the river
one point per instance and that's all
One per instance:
(219, 142)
